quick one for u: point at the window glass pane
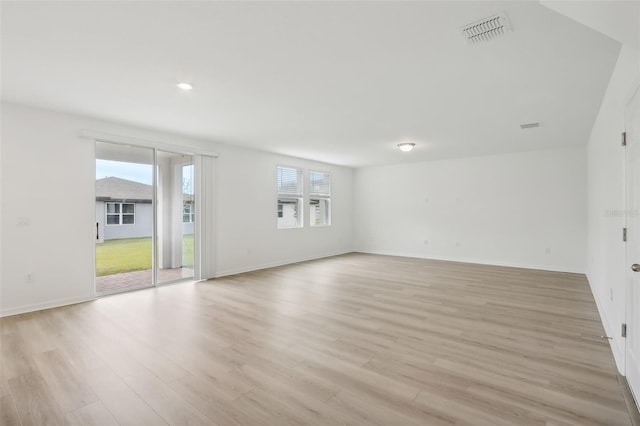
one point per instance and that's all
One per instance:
(319, 211)
(127, 219)
(113, 219)
(289, 181)
(185, 218)
(289, 213)
(128, 208)
(113, 208)
(319, 183)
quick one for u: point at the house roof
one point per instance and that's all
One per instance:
(113, 188)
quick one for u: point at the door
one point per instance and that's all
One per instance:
(176, 216)
(124, 217)
(632, 358)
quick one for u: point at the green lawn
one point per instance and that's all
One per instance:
(133, 254)
(187, 251)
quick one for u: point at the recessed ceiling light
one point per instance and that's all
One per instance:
(406, 146)
(185, 86)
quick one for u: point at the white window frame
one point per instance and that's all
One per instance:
(119, 215)
(191, 213)
(320, 197)
(288, 197)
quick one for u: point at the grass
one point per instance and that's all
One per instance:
(187, 251)
(133, 254)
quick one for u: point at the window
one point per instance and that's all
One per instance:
(290, 194)
(121, 213)
(188, 212)
(319, 199)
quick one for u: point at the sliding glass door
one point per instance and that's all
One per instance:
(145, 217)
(176, 216)
(124, 217)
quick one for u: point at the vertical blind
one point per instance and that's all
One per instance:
(319, 184)
(205, 235)
(290, 181)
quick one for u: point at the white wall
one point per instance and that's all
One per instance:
(247, 185)
(606, 252)
(47, 176)
(501, 209)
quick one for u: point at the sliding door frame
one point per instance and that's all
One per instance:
(199, 184)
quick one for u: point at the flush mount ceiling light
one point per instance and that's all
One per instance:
(406, 146)
(185, 86)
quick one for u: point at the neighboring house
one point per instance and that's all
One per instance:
(188, 214)
(123, 209)
(288, 213)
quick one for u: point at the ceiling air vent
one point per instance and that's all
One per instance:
(529, 125)
(486, 29)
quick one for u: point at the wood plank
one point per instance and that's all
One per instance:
(8, 412)
(70, 392)
(122, 402)
(95, 414)
(34, 401)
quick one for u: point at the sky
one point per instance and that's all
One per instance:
(138, 172)
(131, 171)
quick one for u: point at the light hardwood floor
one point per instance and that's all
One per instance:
(354, 339)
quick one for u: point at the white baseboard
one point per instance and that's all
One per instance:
(224, 273)
(477, 261)
(618, 354)
(46, 305)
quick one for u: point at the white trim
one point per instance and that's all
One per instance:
(98, 136)
(618, 352)
(477, 261)
(45, 305)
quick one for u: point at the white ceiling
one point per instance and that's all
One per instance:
(620, 21)
(341, 82)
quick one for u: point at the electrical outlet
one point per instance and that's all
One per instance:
(426, 242)
(611, 294)
(28, 277)
(548, 250)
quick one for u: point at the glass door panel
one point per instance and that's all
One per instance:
(175, 217)
(124, 218)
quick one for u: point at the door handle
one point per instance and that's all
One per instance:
(635, 267)
(97, 231)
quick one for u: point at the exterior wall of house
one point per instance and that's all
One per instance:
(100, 219)
(136, 231)
(289, 217)
(187, 228)
(142, 227)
